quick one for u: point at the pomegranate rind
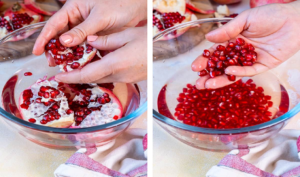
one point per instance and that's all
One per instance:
(256, 3)
(60, 123)
(30, 4)
(191, 7)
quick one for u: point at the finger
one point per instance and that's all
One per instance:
(230, 30)
(79, 33)
(246, 70)
(88, 74)
(199, 63)
(58, 22)
(219, 81)
(200, 83)
(111, 41)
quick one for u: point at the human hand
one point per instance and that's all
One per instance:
(127, 63)
(272, 29)
(77, 19)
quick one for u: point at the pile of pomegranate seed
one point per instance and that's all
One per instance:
(235, 53)
(66, 55)
(166, 20)
(234, 106)
(18, 20)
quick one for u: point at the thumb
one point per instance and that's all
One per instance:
(230, 30)
(112, 41)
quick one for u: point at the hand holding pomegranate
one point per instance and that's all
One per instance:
(77, 19)
(273, 30)
(127, 63)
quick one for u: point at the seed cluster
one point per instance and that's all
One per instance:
(67, 56)
(237, 53)
(17, 21)
(167, 20)
(234, 106)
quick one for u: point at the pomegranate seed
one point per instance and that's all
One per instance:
(116, 117)
(31, 120)
(206, 53)
(43, 121)
(231, 77)
(75, 65)
(203, 73)
(69, 111)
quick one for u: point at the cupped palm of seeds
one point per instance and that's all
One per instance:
(238, 53)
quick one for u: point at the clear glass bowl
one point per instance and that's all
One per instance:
(173, 56)
(16, 59)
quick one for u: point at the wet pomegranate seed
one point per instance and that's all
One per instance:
(239, 54)
(240, 104)
(28, 74)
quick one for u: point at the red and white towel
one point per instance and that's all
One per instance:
(124, 157)
(278, 157)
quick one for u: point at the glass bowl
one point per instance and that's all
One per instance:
(16, 59)
(173, 56)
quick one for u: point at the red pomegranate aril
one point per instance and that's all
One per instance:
(75, 65)
(46, 95)
(203, 73)
(231, 77)
(69, 111)
(31, 120)
(240, 41)
(206, 53)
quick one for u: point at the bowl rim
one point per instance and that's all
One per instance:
(190, 128)
(142, 108)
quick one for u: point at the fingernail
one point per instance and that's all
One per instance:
(67, 39)
(92, 38)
